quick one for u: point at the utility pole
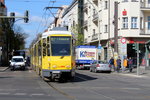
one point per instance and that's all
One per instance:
(137, 45)
(116, 27)
(55, 18)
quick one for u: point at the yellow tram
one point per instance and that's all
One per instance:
(53, 54)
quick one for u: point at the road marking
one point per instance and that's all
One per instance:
(37, 94)
(131, 88)
(20, 94)
(4, 93)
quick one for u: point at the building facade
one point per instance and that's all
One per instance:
(128, 20)
(114, 26)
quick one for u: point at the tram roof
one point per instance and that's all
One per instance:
(52, 32)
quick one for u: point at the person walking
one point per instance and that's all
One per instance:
(118, 61)
(111, 62)
(130, 63)
(125, 63)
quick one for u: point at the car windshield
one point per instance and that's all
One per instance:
(17, 60)
(60, 46)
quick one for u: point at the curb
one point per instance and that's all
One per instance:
(2, 70)
(131, 75)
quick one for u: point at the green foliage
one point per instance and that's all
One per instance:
(77, 30)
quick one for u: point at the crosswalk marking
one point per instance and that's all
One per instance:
(20, 94)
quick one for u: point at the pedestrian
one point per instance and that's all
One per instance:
(111, 62)
(125, 63)
(130, 63)
(118, 61)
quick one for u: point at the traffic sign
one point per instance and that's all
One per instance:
(123, 40)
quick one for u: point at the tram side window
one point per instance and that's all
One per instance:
(48, 46)
(44, 47)
(73, 47)
(39, 49)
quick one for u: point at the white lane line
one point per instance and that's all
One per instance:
(20, 94)
(37, 94)
(131, 88)
(4, 93)
(82, 78)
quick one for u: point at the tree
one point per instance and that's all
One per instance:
(77, 30)
(13, 38)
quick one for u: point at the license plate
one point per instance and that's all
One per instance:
(56, 72)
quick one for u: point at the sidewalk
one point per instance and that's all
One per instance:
(142, 73)
(3, 68)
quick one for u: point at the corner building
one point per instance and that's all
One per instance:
(133, 19)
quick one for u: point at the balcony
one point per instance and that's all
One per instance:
(3, 11)
(145, 31)
(145, 7)
(95, 2)
(94, 37)
(85, 24)
(85, 40)
(85, 7)
(95, 17)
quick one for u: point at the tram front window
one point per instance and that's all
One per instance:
(60, 46)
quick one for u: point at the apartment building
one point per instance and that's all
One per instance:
(73, 17)
(133, 26)
(114, 26)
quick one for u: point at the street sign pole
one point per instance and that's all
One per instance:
(137, 45)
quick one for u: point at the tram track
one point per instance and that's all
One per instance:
(90, 90)
(61, 92)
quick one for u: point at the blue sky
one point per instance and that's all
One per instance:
(39, 17)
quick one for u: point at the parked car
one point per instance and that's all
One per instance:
(17, 62)
(100, 66)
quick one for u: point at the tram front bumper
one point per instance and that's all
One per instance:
(55, 73)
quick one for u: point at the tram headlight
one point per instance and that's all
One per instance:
(54, 66)
(68, 66)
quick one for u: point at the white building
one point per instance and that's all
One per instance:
(133, 25)
(70, 16)
(99, 25)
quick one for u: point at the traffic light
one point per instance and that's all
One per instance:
(134, 46)
(12, 14)
(26, 16)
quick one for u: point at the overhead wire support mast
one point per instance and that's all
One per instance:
(53, 13)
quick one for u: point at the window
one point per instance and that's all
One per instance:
(106, 4)
(125, 22)
(148, 22)
(133, 22)
(134, 0)
(106, 28)
(93, 31)
(125, 0)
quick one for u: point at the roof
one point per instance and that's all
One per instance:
(57, 30)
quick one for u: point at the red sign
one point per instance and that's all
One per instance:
(124, 13)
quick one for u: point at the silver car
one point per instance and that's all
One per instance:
(100, 66)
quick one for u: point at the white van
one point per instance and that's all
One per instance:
(17, 62)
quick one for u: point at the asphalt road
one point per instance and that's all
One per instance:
(27, 85)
